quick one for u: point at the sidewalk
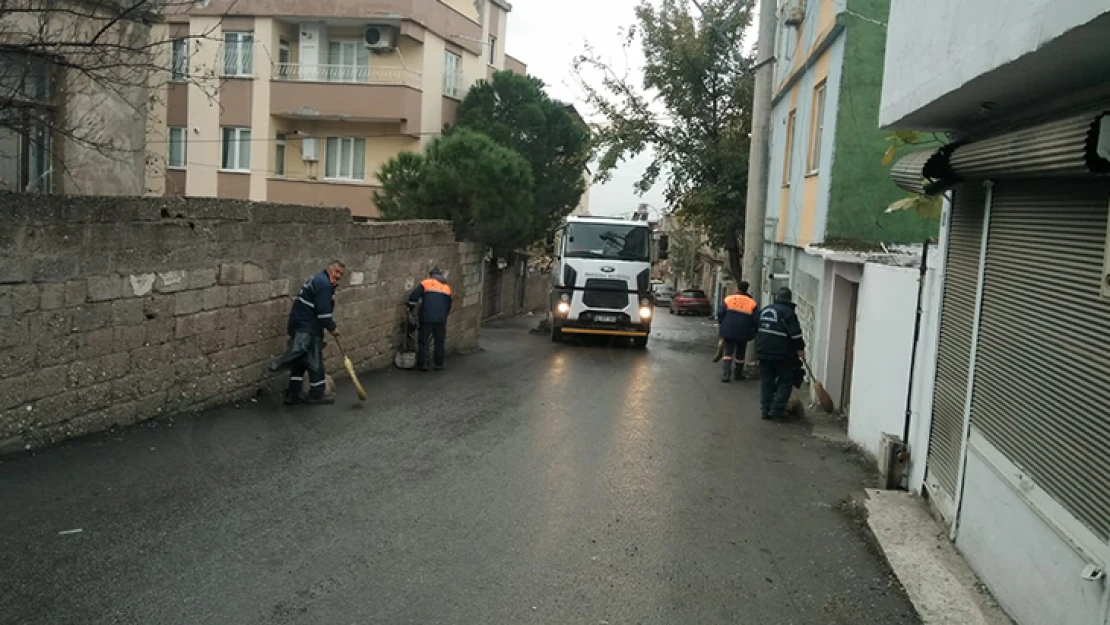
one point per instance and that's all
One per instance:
(941, 585)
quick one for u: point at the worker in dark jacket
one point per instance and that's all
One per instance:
(312, 314)
(779, 346)
(434, 298)
(737, 317)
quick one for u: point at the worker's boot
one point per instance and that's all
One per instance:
(293, 397)
(321, 399)
(726, 376)
(738, 371)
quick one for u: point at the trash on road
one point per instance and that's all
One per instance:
(68, 532)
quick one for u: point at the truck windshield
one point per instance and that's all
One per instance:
(612, 241)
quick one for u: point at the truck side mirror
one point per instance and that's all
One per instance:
(664, 244)
(549, 243)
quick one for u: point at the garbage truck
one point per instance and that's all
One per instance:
(601, 278)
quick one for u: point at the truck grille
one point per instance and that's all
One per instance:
(606, 294)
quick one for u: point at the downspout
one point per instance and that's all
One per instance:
(904, 455)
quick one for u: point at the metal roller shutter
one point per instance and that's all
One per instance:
(965, 236)
(1042, 378)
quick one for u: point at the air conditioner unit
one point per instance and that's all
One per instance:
(310, 149)
(380, 37)
(794, 14)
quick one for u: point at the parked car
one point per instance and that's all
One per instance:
(663, 294)
(691, 301)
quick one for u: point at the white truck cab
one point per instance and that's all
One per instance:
(601, 282)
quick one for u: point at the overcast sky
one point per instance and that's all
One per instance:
(547, 35)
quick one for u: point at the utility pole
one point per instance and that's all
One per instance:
(758, 166)
(756, 217)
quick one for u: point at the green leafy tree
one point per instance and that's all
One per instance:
(469, 179)
(692, 112)
(516, 112)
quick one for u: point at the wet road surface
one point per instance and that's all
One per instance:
(529, 483)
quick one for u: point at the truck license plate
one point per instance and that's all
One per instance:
(605, 319)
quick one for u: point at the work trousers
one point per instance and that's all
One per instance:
(776, 382)
(437, 332)
(732, 356)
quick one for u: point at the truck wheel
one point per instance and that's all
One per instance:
(639, 342)
(556, 334)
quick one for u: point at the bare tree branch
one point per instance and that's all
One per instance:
(79, 80)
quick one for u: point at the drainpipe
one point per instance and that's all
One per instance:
(904, 455)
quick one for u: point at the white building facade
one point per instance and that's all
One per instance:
(1017, 460)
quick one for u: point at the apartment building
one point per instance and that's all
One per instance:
(72, 80)
(827, 186)
(301, 101)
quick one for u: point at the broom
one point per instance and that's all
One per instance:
(350, 370)
(822, 395)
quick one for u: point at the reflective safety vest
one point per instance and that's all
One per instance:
(740, 303)
(431, 285)
(737, 318)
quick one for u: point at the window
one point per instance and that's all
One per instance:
(817, 128)
(279, 155)
(237, 149)
(608, 241)
(786, 163)
(285, 59)
(348, 61)
(179, 69)
(492, 49)
(26, 116)
(179, 152)
(452, 74)
(346, 159)
(238, 54)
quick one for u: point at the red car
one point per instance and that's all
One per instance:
(691, 301)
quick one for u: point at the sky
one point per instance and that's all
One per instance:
(546, 35)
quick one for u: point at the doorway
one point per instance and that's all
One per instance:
(849, 350)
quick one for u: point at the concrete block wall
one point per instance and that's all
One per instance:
(117, 310)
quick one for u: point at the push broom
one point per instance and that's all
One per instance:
(823, 396)
(350, 366)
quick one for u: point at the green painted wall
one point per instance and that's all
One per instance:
(861, 188)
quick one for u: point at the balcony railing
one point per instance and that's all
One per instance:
(397, 76)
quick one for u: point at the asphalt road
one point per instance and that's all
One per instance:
(529, 483)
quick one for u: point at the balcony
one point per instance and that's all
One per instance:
(353, 93)
(348, 74)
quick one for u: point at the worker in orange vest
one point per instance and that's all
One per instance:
(434, 298)
(737, 316)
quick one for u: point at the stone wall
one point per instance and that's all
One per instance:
(116, 310)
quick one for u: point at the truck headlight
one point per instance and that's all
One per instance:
(563, 307)
(645, 312)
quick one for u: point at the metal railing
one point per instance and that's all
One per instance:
(347, 74)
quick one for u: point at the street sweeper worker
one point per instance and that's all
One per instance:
(433, 295)
(737, 317)
(780, 349)
(312, 313)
